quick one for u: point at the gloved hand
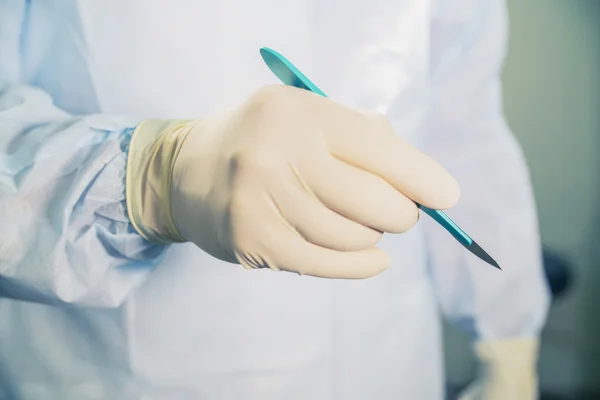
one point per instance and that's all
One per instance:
(289, 180)
(508, 371)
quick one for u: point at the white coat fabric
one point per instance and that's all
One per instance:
(89, 310)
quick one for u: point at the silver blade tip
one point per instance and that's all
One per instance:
(479, 252)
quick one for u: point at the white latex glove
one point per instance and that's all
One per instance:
(289, 180)
(508, 371)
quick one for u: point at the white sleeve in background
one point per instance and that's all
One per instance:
(469, 136)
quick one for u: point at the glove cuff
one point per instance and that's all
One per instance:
(508, 353)
(509, 368)
(153, 150)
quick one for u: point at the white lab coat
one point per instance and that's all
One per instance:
(92, 311)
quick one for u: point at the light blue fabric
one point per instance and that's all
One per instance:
(467, 133)
(89, 310)
(65, 233)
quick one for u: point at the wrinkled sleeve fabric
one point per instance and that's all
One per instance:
(65, 238)
(468, 134)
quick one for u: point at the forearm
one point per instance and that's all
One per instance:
(467, 133)
(65, 235)
(497, 207)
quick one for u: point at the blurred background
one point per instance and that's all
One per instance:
(552, 102)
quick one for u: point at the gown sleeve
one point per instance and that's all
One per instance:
(468, 134)
(65, 237)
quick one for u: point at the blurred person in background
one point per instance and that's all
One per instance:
(142, 158)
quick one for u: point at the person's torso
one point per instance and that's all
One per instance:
(200, 328)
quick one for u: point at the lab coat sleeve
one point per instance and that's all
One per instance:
(65, 237)
(468, 134)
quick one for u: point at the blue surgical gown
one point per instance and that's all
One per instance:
(89, 310)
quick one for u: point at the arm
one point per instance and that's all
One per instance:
(64, 232)
(469, 136)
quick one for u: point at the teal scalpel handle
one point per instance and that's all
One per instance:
(291, 76)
